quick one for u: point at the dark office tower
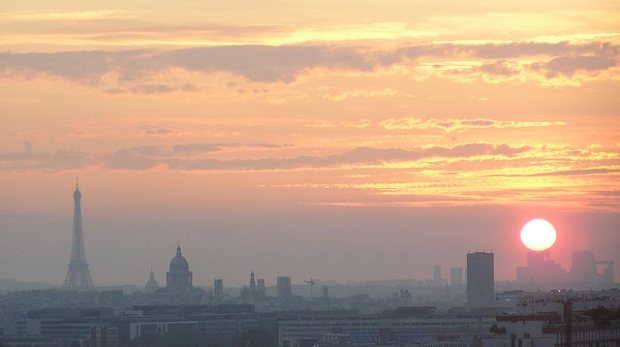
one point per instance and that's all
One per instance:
(218, 288)
(285, 288)
(480, 280)
(456, 276)
(78, 276)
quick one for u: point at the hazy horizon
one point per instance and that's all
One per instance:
(327, 241)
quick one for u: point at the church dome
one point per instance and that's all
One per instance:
(151, 284)
(179, 263)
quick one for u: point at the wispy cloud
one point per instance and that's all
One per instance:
(57, 15)
(568, 66)
(269, 64)
(582, 172)
(29, 160)
(191, 157)
(449, 125)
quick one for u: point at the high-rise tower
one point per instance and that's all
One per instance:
(78, 276)
(480, 280)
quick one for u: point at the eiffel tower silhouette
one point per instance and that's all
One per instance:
(78, 276)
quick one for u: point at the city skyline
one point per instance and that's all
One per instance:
(80, 277)
(344, 141)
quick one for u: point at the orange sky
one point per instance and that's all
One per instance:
(385, 137)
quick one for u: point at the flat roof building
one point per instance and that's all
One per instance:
(480, 280)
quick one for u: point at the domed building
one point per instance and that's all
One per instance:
(179, 275)
(151, 285)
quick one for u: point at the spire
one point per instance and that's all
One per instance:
(76, 194)
(179, 249)
(78, 276)
(151, 285)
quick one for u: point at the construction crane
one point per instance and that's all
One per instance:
(311, 282)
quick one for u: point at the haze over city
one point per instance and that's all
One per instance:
(346, 141)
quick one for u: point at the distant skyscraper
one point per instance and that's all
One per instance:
(584, 267)
(541, 269)
(437, 275)
(218, 288)
(456, 276)
(78, 276)
(179, 274)
(480, 279)
(285, 288)
(587, 270)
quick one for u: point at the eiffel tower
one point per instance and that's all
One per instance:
(78, 276)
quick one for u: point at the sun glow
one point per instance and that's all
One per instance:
(538, 235)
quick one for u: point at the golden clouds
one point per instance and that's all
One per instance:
(57, 15)
(449, 125)
(473, 102)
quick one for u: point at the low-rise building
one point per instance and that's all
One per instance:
(302, 329)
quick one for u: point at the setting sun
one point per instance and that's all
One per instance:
(538, 235)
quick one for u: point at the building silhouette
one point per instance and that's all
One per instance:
(78, 275)
(256, 288)
(437, 275)
(456, 276)
(285, 289)
(218, 288)
(541, 269)
(260, 287)
(480, 280)
(585, 269)
(179, 275)
(151, 285)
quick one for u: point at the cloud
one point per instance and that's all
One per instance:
(358, 156)
(269, 64)
(126, 159)
(499, 68)
(338, 95)
(54, 15)
(153, 153)
(612, 193)
(191, 157)
(449, 125)
(521, 49)
(28, 160)
(193, 148)
(86, 66)
(569, 65)
(577, 172)
(581, 172)
(152, 89)
(159, 132)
